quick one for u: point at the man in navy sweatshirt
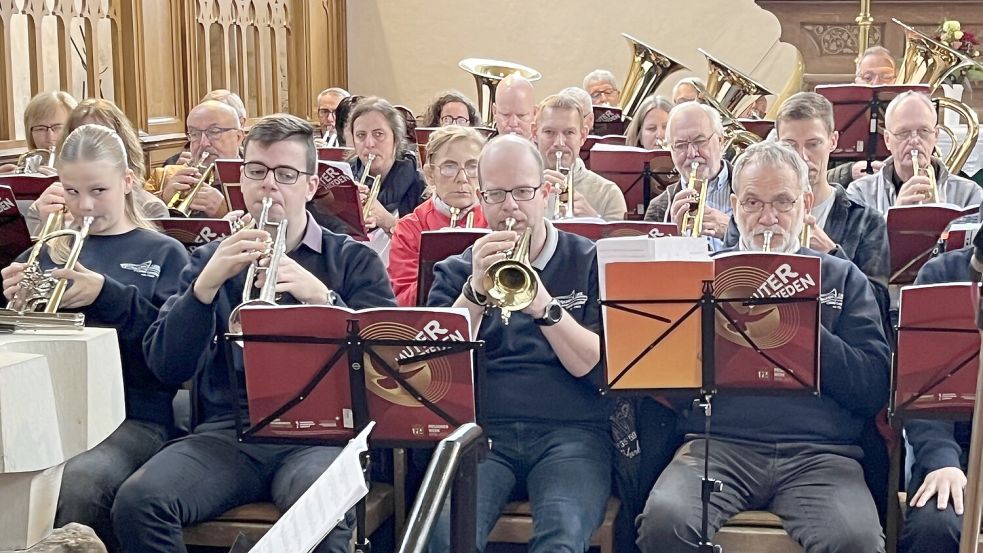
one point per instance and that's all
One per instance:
(792, 455)
(547, 422)
(209, 472)
(936, 490)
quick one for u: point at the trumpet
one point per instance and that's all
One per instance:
(373, 189)
(31, 161)
(805, 236)
(568, 185)
(275, 251)
(37, 299)
(456, 216)
(766, 242)
(510, 282)
(180, 206)
(693, 221)
(56, 220)
(929, 172)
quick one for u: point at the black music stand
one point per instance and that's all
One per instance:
(351, 351)
(708, 307)
(630, 167)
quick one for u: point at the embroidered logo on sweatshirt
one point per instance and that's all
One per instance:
(573, 300)
(146, 268)
(832, 298)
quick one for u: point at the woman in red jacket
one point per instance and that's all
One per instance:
(451, 171)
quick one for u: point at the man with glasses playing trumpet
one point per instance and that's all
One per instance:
(209, 472)
(554, 451)
(694, 134)
(214, 133)
(912, 175)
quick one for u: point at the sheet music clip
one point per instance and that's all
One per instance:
(242, 544)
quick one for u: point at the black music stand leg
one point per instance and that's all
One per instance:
(708, 486)
(875, 107)
(362, 543)
(646, 188)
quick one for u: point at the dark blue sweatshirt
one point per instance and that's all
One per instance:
(524, 379)
(402, 189)
(188, 338)
(854, 359)
(141, 269)
(934, 441)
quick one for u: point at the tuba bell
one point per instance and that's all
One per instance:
(731, 92)
(180, 205)
(487, 74)
(928, 61)
(510, 282)
(649, 67)
(275, 251)
(37, 299)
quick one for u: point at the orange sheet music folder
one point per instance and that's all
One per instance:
(671, 363)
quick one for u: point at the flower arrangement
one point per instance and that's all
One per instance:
(951, 34)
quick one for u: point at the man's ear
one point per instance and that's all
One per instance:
(312, 182)
(834, 139)
(733, 203)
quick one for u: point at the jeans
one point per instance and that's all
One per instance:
(91, 479)
(207, 473)
(564, 472)
(817, 490)
(927, 528)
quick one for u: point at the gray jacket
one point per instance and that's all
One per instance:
(878, 191)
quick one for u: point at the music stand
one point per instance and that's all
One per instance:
(615, 139)
(914, 232)
(422, 138)
(607, 120)
(342, 354)
(594, 231)
(436, 246)
(335, 153)
(633, 170)
(710, 320)
(27, 188)
(14, 236)
(193, 233)
(858, 110)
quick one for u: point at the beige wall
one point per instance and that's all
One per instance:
(407, 50)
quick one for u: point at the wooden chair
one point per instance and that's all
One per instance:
(755, 531)
(515, 526)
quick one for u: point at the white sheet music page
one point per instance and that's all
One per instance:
(323, 505)
(644, 248)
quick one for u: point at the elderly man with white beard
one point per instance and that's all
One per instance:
(795, 456)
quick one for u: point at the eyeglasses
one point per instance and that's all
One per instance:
(255, 170)
(37, 129)
(922, 133)
(700, 143)
(519, 194)
(324, 112)
(596, 95)
(451, 120)
(451, 169)
(870, 77)
(213, 133)
(781, 205)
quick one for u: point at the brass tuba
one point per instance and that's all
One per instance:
(266, 294)
(180, 206)
(928, 61)
(37, 299)
(510, 282)
(487, 74)
(649, 67)
(730, 92)
(693, 220)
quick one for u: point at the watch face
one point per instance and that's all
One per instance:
(554, 312)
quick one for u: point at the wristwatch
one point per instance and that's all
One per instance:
(472, 296)
(553, 314)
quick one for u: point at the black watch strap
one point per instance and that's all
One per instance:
(472, 296)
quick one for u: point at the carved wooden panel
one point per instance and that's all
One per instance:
(836, 40)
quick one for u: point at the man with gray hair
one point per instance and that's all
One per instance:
(876, 66)
(694, 134)
(796, 456)
(556, 453)
(911, 125)
(603, 89)
(584, 99)
(687, 90)
(327, 107)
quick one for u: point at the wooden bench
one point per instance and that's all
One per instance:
(254, 519)
(755, 531)
(515, 526)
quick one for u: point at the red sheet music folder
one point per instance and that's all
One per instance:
(913, 232)
(625, 165)
(27, 187)
(611, 229)
(276, 372)
(614, 139)
(852, 105)
(194, 232)
(14, 237)
(337, 198)
(938, 350)
(335, 153)
(788, 333)
(607, 120)
(436, 246)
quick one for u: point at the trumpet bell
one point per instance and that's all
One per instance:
(487, 74)
(511, 286)
(649, 67)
